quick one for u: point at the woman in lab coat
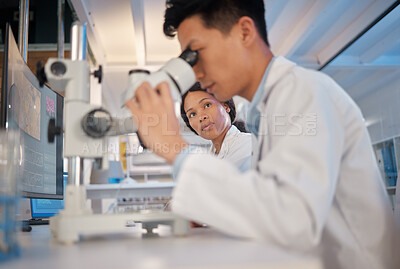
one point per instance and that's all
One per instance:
(212, 120)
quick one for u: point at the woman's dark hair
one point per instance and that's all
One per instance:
(218, 14)
(195, 88)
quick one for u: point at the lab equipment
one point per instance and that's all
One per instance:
(28, 108)
(86, 128)
(124, 148)
(386, 158)
(177, 72)
(9, 194)
(114, 174)
(144, 203)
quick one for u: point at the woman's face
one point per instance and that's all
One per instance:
(207, 116)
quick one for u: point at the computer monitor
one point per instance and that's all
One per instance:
(45, 208)
(28, 107)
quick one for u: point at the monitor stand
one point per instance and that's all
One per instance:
(26, 224)
(37, 221)
(25, 227)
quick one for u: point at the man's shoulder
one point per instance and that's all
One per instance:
(286, 71)
(305, 76)
(302, 83)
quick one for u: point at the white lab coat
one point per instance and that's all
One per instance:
(236, 148)
(315, 185)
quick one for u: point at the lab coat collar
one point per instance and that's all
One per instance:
(232, 131)
(279, 67)
(253, 118)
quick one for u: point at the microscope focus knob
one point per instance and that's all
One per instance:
(98, 73)
(53, 130)
(40, 74)
(97, 123)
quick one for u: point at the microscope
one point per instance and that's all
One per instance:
(86, 128)
(177, 72)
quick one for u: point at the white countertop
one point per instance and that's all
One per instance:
(201, 248)
(148, 189)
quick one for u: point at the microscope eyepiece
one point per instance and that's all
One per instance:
(144, 71)
(58, 69)
(190, 56)
(177, 72)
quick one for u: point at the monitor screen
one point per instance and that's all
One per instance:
(44, 208)
(28, 107)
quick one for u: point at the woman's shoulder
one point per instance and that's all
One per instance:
(239, 139)
(244, 138)
(238, 149)
(235, 132)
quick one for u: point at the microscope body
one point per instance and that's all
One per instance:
(73, 77)
(86, 128)
(85, 136)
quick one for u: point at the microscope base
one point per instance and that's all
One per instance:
(67, 228)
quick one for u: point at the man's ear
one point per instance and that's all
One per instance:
(227, 108)
(248, 30)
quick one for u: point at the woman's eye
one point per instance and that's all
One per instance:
(191, 115)
(207, 105)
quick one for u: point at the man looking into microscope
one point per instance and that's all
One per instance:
(315, 185)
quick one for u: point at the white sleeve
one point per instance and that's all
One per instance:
(287, 199)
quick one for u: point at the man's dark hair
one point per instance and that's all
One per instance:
(218, 14)
(196, 87)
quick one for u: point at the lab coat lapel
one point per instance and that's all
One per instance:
(225, 144)
(280, 67)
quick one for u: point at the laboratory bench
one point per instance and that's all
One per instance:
(201, 248)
